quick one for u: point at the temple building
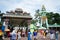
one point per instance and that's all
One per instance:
(16, 18)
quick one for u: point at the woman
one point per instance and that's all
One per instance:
(19, 35)
(14, 35)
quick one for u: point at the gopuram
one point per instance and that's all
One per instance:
(42, 19)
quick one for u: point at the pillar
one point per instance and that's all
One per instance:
(47, 23)
(41, 22)
(28, 23)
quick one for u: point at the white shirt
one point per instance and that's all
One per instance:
(19, 36)
(52, 36)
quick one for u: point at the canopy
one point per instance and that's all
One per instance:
(54, 25)
(42, 28)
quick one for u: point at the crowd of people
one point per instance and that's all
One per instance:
(35, 35)
(43, 34)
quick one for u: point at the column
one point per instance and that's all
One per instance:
(28, 23)
(0, 18)
(47, 23)
(41, 22)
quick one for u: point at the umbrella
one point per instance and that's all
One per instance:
(7, 29)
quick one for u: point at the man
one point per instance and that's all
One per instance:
(52, 36)
(56, 35)
(35, 34)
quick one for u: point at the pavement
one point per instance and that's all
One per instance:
(25, 38)
(38, 38)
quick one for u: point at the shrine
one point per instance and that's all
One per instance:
(43, 20)
(16, 18)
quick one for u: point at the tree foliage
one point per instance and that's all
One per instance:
(53, 18)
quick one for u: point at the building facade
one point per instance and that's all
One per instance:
(16, 18)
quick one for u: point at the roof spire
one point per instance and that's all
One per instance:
(43, 8)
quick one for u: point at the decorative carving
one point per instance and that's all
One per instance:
(19, 10)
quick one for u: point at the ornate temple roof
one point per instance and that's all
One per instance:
(17, 13)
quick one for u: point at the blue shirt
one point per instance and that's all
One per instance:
(35, 33)
(29, 37)
(29, 33)
(3, 28)
(14, 36)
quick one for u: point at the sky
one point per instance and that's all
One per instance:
(30, 5)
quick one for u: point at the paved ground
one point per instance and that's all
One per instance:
(26, 39)
(38, 38)
(23, 38)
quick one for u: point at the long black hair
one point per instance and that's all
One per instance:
(28, 30)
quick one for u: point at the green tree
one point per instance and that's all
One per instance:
(53, 18)
(57, 18)
(33, 21)
(50, 17)
(37, 13)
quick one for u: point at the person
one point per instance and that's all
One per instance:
(29, 35)
(3, 28)
(52, 36)
(14, 35)
(46, 32)
(10, 35)
(48, 35)
(19, 35)
(27, 31)
(23, 33)
(11, 29)
(56, 35)
(1, 35)
(35, 34)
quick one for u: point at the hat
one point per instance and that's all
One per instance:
(7, 29)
